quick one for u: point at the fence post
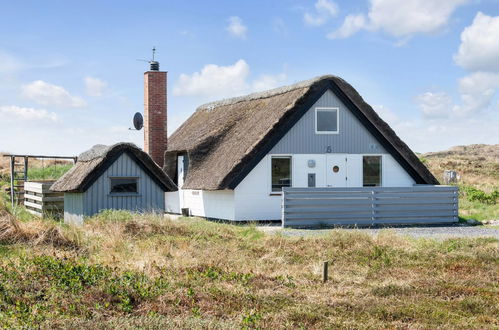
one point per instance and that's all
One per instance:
(282, 208)
(325, 271)
(373, 212)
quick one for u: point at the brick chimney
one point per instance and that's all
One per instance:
(155, 138)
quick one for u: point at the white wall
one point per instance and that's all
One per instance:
(300, 170)
(255, 201)
(252, 197)
(393, 174)
(217, 204)
(172, 202)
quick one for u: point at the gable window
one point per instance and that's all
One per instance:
(124, 185)
(371, 171)
(326, 120)
(281, 173)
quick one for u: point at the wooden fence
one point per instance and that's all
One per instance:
(425, 204)
(39, 200)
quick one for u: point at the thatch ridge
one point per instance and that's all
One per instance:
(93, 162)
(224, 139)
(264, 94)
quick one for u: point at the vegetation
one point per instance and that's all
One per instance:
(130, 271)
(51, 172)
(125, 270)
(478, 168)
(477, 164)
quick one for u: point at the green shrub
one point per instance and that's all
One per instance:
(474, 194)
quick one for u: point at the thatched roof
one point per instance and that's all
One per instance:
(94, 162)
(225, 140)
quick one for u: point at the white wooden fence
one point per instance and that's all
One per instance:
(41, 201)
(425, 204)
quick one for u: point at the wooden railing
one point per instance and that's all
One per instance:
(39, 200)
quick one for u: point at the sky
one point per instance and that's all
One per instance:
(71, 74)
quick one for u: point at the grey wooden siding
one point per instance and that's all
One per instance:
(353, 137)
(73, 208)
(150, 196)
(306, 207)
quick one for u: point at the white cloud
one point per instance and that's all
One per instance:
(424, 135)
(94, 86)
(350, 26)
(268, 81)
(386, 114)
(435, 104)
(21, 113)
(477, 91)
(325, 9)
(236, 27)
(479, 49)
(214, 80)
(403, 20)
(478, 53)
(51, 95)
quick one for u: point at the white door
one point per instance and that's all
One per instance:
(336, 170)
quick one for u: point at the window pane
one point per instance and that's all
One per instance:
(372, 171)
(281, 173)
(123, 185)
(327, 120)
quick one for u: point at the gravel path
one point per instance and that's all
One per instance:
(415, 232)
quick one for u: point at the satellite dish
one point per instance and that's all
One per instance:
(138, 121)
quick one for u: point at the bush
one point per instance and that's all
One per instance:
(474, 194)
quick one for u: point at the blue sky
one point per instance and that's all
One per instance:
(69, 75)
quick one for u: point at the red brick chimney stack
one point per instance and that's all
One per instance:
(155, 105)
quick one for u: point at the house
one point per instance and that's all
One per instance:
(232, 158)
(121, 176)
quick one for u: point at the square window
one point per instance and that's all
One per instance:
(124, 185)
(326, 120)
(281, 173)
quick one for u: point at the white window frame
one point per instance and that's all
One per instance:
(337, 109)
(269, 180)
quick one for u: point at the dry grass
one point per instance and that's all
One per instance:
(133, 271)
(32, 233)
(477, 164)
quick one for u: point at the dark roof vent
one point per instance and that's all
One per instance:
(154, 65)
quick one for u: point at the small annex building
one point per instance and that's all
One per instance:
(232, 158)
(121, 177)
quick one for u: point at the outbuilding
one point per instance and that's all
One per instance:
(121, 177)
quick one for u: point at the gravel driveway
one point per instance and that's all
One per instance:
(437, 232)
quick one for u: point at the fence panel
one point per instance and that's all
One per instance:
(41, 201)
(425, 204)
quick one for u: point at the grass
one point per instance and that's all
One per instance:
(51, 172)
(477, 210)
(478, 204)
(125, 270)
